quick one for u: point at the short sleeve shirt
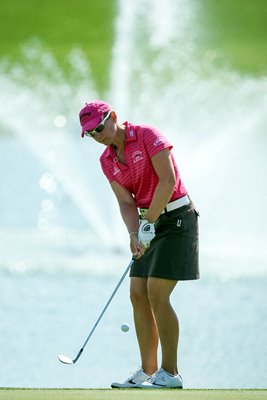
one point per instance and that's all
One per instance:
(137, 175)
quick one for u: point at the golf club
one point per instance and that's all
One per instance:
(68, 360)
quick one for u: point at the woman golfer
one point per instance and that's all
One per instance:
(163, 231)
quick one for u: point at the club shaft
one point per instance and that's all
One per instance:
(104, 309)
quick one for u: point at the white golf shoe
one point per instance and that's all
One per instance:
(162, 380)
(136, 379)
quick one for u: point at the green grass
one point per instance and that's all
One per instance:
(237, 31)
(61, 25)
(234, 31)
(111, 394)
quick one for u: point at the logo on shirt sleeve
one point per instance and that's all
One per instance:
(159, 141)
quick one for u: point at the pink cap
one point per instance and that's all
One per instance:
(92, 114)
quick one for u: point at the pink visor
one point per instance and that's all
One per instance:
(92, 114)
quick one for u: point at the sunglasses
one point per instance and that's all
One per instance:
(99, 127)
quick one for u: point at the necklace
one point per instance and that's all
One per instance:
(117, 152)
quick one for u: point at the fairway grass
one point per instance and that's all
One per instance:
(113, 394)
(61, 26)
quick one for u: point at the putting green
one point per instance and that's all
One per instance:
(112, 394)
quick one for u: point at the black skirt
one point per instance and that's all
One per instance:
(173, 253)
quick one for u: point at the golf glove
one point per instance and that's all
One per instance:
(146, 232)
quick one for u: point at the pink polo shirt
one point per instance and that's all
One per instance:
(137, 175)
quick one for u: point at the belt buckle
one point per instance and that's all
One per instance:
(142, 212)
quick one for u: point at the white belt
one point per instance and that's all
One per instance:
(183, 201)
(173, 205)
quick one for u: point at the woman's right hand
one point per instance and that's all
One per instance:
(137, 248)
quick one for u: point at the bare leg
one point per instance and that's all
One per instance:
(145, 325)
(159, 291)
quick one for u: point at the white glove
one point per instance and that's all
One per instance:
(146, 232)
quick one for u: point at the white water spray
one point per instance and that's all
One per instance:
(215, 119)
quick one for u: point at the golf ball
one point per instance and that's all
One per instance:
(125, 327)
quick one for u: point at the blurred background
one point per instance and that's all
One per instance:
(197, 69)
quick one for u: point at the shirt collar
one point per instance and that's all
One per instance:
(130, 136)
(130, 131)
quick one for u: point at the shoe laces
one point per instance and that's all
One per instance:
(158, 374)
(140, 369)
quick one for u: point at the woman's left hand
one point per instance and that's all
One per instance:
(146, 232)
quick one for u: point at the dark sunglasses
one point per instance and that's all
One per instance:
(99, 127)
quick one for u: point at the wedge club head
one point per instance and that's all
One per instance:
(64, 359)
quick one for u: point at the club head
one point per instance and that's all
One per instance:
(64, 359)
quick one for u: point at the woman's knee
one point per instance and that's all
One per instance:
(138, 291)
(155, 298)
(159, 292)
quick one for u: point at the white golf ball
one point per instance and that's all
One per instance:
(125, 327)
